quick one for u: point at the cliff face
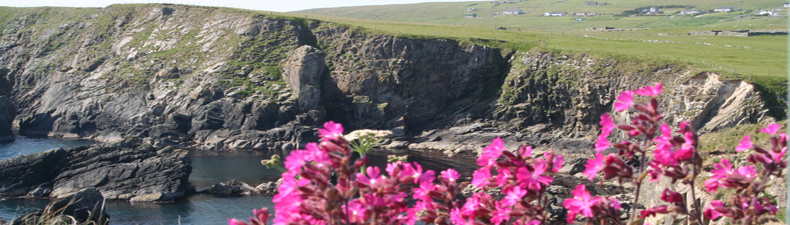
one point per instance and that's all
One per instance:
(225, 79)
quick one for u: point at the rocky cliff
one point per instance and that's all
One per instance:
(127, 170)
(228, 79)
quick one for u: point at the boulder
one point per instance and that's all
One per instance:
(86, 207)
(232, 188)
(269, 188)
(127, 170)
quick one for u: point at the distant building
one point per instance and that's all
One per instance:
(513, 12)
(471, 9)
(689, 11)
(586, 14)
(787, 5)
(651, 10)
(591, 3)
(470, 15)
(578, 19)
(767, 13)
(554, 14)
(724, 9)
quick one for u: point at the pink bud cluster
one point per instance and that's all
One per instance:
(749, 203)
(523, 180)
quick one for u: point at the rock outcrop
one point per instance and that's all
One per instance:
(127, 170)
(7, 113)
(85, 207)
(264, 82)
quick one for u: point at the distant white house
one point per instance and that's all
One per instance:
(471, 9)
(554, 14)
(470, 15)
(651, 10)
(767, 13)
(689, 11)
(787, 5)
(724, 9)
(513, 12)
(586, 13)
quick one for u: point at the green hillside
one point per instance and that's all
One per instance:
(490, 13)
(665, 36)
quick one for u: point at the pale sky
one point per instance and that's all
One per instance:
(266, 5)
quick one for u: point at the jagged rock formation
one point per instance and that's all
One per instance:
(7, 109)
(223, 79)
(127, 170)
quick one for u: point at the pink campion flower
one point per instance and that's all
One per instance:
(580, 203)
(593, 166)
(513, 196)
(357, 211)
(601, 144)
(747, 172)
(501, 214)
(371, 178)
(331, 130)
(450, 175)
(289, 185)
(557, 163)
(456, 218)
(624, 101)
(415, 172)
(299, 158)
(712, 212)
(722, 169)
(649, 90)
(771, 129)
(480, 177)
(503, 175)
(421, 192)
(746, 144)
(607, 125)
(532, 180)
(491, 153)
(712, 184)
(472, 204)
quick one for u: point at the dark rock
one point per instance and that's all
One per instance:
(86, 206)
(7, 114)
(232, 188)
(127, 170)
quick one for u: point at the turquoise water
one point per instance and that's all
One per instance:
(208, 169)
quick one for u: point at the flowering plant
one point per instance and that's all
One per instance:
(323, 185)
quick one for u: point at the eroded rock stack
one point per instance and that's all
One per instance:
(127, 170)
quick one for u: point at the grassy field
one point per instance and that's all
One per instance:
(758, 59)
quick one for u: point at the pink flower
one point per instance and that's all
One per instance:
(601, 144)
(501, 214)
(416, 173)
(456, 218)
(607, 125)
(480, 177)
(746, 144)
(557, 164)
(503, 175)
(712, 184)
(422, 192)
(649, 90)
(722, 170)
(624, 101)
(491, 153)
(712, 212)
(771, 129)
(747, 172)
(593, 166)
(372, 175)
(450, 174)
(533, 180)
(513, 196)
(580, 203)
(299, 158)
(331, 130)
